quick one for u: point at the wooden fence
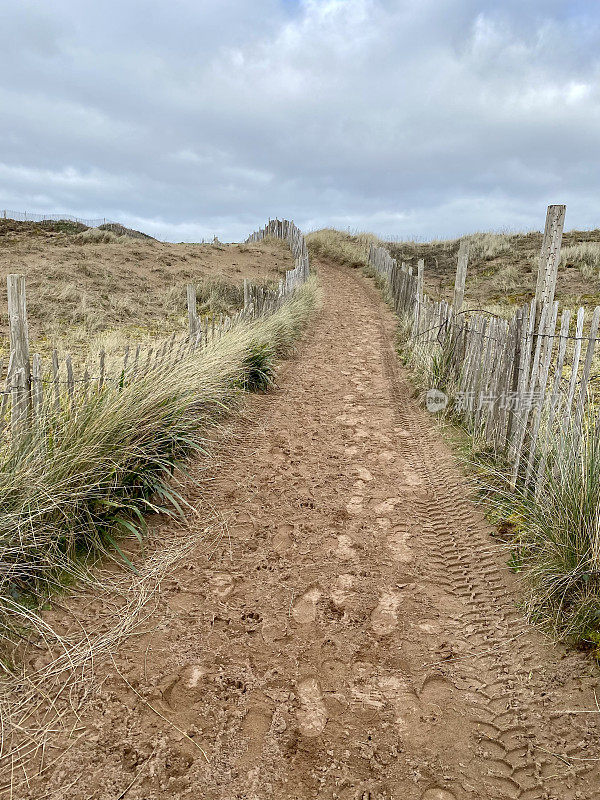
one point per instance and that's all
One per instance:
(283, 229)
(31, 384)
(31, 216)
(520, 384)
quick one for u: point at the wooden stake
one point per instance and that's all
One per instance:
(539, 386)
(461, 276)
(549, 256)
(192, 309)
(585, 375)
(56, 380)
(19, 410)
(19, 342)
(37, 388)
(574, 366)
(70, 378)
(101, 372)
(554, 394)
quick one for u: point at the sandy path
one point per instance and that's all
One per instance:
(354, 636)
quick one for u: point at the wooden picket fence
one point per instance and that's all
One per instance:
(283, 229)
(31, 384)
(520, 384)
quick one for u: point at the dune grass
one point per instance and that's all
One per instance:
(85, 475)
(348, 249)
(585, 256)
(97, 236)
(554, 536)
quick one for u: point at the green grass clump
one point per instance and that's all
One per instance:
(555, 542)
(85, 475)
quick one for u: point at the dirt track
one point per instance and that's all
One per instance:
(354, 635)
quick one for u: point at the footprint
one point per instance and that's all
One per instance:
(193, 674)
(304, 610)
(397, 542)
(222, 584)
(400, 696)
(436, 691)
(387, 507)
(345, 548)
(385, 618)
(282, 539)
(364, 474)
(254, 729)
(438, 794)
(342, 587)
(411, 478)
(183, 690)
(312, 714)
(355, 506)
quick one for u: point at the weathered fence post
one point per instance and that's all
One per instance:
(457, 303)
(19, 349)
(56, 380)
(513, 380)
(419, 295)
(578, 417)
(19, 408)
(461, 276)
(37, 388)
(554, 396)
(70, 378)
(192, 310)
(549, 257)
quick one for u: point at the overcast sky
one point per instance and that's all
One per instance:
(189, 118)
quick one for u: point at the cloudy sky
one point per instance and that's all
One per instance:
(190, 118)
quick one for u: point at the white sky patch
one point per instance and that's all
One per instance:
(67, 177)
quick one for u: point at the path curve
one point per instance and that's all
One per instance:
(354, 635)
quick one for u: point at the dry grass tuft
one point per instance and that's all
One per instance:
(97, 236)
(584, 256)
(348, 249)
(486, 245)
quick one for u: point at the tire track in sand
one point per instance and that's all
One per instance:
(354, 636)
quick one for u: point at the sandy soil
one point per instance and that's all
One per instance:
(353, 635)
(131, 283)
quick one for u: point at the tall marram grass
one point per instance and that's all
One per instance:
(585, 256)
(84, 476)
(556, 539)
(345, 248)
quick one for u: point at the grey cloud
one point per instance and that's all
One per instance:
(429, 118)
